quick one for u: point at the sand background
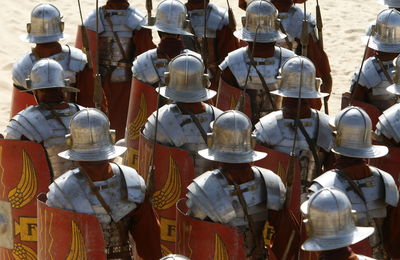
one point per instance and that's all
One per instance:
(344, 22)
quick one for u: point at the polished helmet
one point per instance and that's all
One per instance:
(297, 79)
(395, 87)
(46, 74)
(386, 34)
(170, 18)
(231, 140)
(186, 81)
(175, 257)
(390, 3)
(352, 129)
(90, 137)
(330, 221)
(45, 25)
(261, 23)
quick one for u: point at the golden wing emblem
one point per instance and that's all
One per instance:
(171, 191)
(133, 128)
(281, 172)
(78, 248)
(220, 251)
(27, 186)
(22, 252)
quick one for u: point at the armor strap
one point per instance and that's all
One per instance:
(104, 204)
(116, 36)
(195, 121)
(260, 249)
(288, 42)
(384, 71)
(264, 84)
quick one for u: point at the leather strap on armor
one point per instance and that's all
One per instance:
(259, 251)
(264, 84)
(384, 70)
(195, 121)
(104, 204)
(117, 39)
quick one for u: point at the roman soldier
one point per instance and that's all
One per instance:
(170, 22)
(377, 71)
(291, 23)
(184, 123)
(213, 28)
(297, 128)
(45, 30)
(387, 126)
(114, 194)
(238, 194)
(148, 71)
(47, 122)
(370, 190)
(330, 226)
(253, 69)
(121, 38)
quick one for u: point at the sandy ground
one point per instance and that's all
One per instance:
(344, 22)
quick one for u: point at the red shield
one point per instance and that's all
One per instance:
(24, 173)
(173, 172)
(66, 234)
(229, 96)
(142, 102)
(20, 101)
(389, 163)
(371, 110)
(200, 240)
(278, 163)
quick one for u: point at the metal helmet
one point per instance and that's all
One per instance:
(261, 23)
(186, 81)
(352, 127)
(175, 257)
(231, 140)
(390, 3)
(395, 88)
(330, 221)
(170, 18)
(90, 137)
(297, 79)
(386, 34)
(45, 25)
(47, 73)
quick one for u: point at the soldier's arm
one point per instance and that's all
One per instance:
(229, 78)
(146, 231)
(360, 93)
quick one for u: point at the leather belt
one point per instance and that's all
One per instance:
(115, 63)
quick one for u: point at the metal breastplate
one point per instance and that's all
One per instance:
(196, 18)
(59, 165)
(389, 123)
(376, 80)
(195, 141)
(111, 57)
(226, 208)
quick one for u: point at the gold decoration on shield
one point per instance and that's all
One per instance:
(22, 252)
(27, 187)
(133, 128)
(78, 248)
(220, 251)
(171, 191)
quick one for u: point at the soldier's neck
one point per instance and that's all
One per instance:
(385, 56)
(117, 5)
(340, 253)
(290, 107)
(195, 4)
(240, 172)
(195, 108)
(282, 5)
(355, 168)
(45, 50)
(98, 171)
(261, 50)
